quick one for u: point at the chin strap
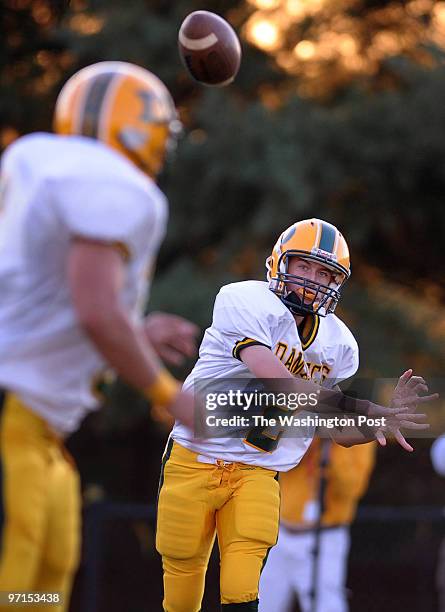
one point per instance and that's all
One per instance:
(294, 303)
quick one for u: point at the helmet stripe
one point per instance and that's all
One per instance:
(318, 233)
(337, 240)
(327, 239)
(93, 104)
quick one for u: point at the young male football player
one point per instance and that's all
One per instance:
(286, 330)
(80, 227)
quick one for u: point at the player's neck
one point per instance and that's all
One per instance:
(298, 319)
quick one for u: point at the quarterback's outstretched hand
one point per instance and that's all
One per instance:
(404, 400)
(406, 393)
(172, 337)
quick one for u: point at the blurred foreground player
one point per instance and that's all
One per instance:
(81, 224)
(283, 330)
(318, 503)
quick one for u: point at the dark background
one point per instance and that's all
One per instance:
(337, 113)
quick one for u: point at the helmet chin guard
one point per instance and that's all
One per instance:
(310, 298)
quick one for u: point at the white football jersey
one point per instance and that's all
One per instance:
(248, 313)
(54, 188)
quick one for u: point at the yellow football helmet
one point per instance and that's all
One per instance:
(314, 240)
(124, 106)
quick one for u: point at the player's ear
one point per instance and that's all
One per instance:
(268, 265)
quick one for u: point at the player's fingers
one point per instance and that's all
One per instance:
(427, 398)
(380, 437)
(420, 388)
(406, 403)
(402, 441)
(170, 355)
(409, 421)
(172, 320)
(170, 327)
(411, 425)
(399, 408)
(417, 417)
(182, 325)
(414, 380)
(184, 345)
(405, 377)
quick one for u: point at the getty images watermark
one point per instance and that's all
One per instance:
(276, 410)
(258, 409)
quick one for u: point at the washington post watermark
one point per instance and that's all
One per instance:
(236, 407)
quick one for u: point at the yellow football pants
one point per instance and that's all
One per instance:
(238, 502)
(40, 500)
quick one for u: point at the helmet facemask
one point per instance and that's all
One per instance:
(309, 296)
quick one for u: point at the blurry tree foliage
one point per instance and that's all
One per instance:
(363, 149)
(328, 44)
(251, 163)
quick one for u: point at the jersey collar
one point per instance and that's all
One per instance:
(308, 329)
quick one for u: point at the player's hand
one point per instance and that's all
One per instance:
(393, 426)
(405, 398)
(172, 337)
(407, 392)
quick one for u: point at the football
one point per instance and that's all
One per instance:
(209, 48)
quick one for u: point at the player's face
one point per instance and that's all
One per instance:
(311, 271)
